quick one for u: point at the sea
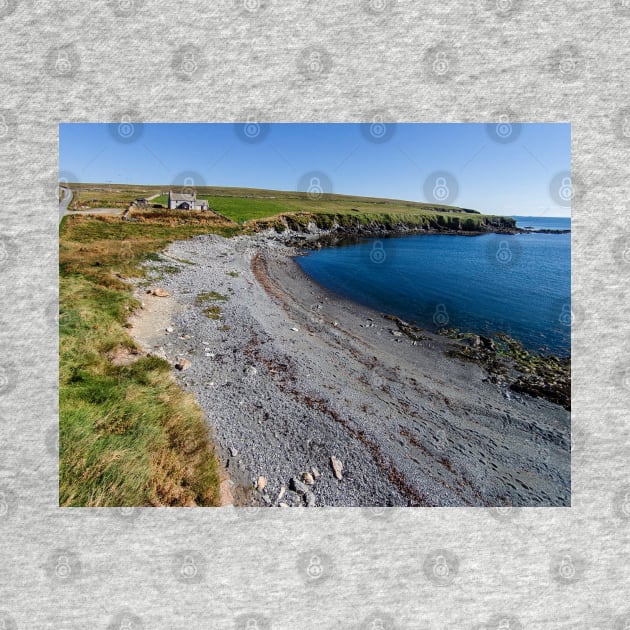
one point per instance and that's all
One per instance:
(486, 284)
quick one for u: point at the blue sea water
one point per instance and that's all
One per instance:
(519, 284)
(543, 223)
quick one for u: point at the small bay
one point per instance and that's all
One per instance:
(489, 283)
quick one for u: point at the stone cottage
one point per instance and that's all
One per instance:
(183, 201)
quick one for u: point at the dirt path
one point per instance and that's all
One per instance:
(148, 326)
(64, 202)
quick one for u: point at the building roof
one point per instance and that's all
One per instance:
(182, 196)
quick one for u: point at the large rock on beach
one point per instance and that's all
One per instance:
(160, 292)
(337, 467)
(297, 486)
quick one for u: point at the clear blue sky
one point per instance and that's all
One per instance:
(492, 175)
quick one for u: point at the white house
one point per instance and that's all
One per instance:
(183, 201)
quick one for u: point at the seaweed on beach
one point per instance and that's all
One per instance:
(414, 333)
(508, 362)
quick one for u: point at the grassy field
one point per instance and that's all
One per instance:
(128, 434)
(107, 195)
(246, 205)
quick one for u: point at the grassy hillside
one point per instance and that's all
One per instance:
(107, 195)
(128, 434)
(243, 205)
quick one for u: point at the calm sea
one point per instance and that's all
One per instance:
(518, 284)
(543, 223)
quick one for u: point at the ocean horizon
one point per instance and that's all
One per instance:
(542, 223)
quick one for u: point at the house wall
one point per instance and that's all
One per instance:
(195, 205)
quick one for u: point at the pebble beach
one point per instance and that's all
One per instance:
(313, 400)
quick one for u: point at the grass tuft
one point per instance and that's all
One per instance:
(210, 296)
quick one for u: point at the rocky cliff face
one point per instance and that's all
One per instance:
(335, 226)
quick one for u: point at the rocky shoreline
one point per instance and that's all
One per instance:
(307, 234)
(316, 401)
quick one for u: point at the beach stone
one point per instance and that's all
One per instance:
(169, 329)
(308, 479)
(261, 484)
(309, 499)
(337, 467)
(396, 333)
(293, 499)
(250, 370)
(298, 486)
(316, 474)
(183, 364)
(233, 451)
(160, 293)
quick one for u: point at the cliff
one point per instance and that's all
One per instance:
(314, 226)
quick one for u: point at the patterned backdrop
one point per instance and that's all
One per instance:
(376, 61)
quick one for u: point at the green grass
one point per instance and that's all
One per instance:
(244, 206)
(128, 434)
(107, 195)
(240, 209)
(298, 209)
(210, 296)
(212, 311)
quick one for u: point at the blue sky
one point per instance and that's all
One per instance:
(494, 169)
